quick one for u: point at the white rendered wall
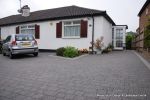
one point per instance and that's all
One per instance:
(5, 31)
(103, 28)
(48, 38)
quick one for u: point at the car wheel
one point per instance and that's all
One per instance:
(35, 54)
(4, 54)
(11, 56)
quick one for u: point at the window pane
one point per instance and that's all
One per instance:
(22, 27)
(23, 31)
(31, 26)
(67, 23)
(119, 43)
(71, 30)
(66, 31)
(28, 31)
(76, 22)
(8, 39)
(119, 34)
(24, 37)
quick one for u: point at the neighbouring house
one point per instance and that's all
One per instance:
(119, 36)
(144, 15)
(66, 26)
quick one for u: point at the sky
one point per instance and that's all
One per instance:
(123, 12)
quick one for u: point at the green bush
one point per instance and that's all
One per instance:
(60, 51)
(70, 52)
(129, 39)
(110, 46)
(105, 51)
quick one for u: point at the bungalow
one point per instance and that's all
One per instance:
(65, 26)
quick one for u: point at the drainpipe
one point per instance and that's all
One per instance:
(92, 35)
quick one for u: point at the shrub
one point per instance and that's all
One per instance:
(110, 46)
(105, 50)
(81, 51)
(70, 52)
(60, 51)
(129, 39)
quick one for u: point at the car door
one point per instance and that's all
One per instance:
(6, 45)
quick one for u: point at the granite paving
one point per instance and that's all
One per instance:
(119, 75)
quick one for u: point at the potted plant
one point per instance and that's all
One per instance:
(98, 44)
(110, 47)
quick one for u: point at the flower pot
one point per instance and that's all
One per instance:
(98, 51)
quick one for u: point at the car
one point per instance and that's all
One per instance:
(1, 42)
(16, 44)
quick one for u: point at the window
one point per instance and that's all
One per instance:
(72, 29)
(119, 33)
(28, 29)
(119, 37)
(7, 39)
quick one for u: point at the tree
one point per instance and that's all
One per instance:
(129, 39)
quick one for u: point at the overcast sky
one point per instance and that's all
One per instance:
(121, 11)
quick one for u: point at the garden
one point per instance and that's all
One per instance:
(71, 52)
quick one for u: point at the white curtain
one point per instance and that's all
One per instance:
(72, 30)
(28, 31)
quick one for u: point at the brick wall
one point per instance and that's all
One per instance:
(144, 18)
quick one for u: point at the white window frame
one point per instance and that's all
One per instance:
(27, 27)
(63, 26)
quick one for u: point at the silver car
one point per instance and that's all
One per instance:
(19, 44)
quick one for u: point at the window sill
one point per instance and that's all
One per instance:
(76, 37)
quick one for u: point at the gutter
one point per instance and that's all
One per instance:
(47, 19)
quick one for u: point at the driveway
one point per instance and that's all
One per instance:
(118, 75)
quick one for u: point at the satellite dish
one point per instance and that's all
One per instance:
(19, 11)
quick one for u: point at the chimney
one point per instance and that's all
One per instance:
(25, 10)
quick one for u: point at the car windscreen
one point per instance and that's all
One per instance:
(24, 38)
